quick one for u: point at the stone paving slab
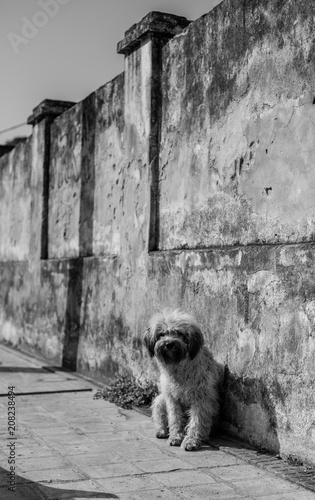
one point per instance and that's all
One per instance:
(70, 446)
(32, 376)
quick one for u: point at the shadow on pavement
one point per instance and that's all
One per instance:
(30, 490)
(23, 369)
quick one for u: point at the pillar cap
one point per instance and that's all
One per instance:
(48, 108)
(158, 23)
(6, 148)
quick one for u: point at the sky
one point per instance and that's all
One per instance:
(66, 49)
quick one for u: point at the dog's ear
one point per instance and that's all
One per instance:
(196, 341)
(149, 342)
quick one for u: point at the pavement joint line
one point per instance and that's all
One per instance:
(5, 395)
(54, 481)
(146, 473)
(139, 474)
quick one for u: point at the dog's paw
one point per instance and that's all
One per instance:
(191, 444)
(175, 440)
(161, 434)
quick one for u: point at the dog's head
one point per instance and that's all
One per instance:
(171, 336)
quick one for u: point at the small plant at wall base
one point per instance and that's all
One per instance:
(127, 392)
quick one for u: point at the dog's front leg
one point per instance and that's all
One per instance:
(198, 427)
(159, 415)
(176, 421)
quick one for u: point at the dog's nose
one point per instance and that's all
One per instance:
(170, 344)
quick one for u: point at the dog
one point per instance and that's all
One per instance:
(188, 401)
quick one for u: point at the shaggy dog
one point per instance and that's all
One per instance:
(184, 410)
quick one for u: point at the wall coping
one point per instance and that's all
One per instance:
(6, 148)
(157, 23)
(48, 108)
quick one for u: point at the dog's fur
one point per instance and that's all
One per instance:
(184, 410)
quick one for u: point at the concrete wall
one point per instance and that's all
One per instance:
(188, 182)
(15, 195)
(237, 128)
(108, 164)
(65, 184)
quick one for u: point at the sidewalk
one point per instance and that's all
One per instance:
(69, 446)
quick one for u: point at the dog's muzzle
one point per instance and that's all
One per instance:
(170, 350)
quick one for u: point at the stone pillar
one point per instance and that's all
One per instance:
(142, 47)
(41, 119)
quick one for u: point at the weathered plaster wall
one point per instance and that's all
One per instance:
(237, 143)
(109, 164)
(136, 169)
(257, 308)
(36, 160)
(202, 150)
(15, 195)
(236, 168)
(11, 279)
(65, 184)
(33, 306)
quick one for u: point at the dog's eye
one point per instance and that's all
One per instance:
(161, 335)
(183, 337)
